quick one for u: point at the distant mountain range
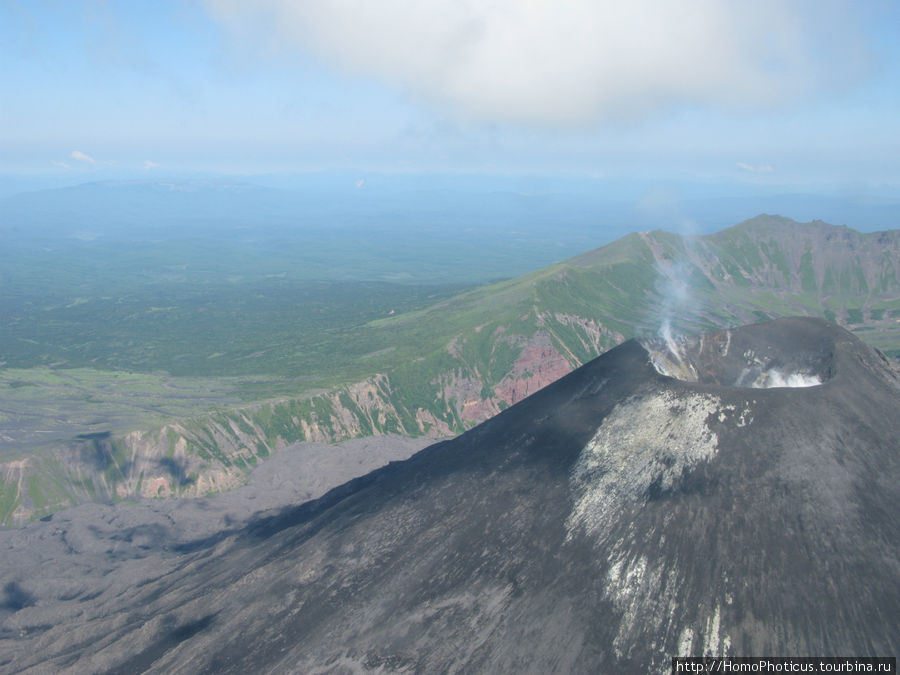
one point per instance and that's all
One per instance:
(443, 369)
(431, 229)
(612, 520)
(322, 230)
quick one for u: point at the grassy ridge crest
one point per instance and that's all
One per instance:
(444, 367)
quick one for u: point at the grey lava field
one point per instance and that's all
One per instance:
(666, 498)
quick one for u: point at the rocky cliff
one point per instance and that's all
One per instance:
(464, 360)
(616, 518)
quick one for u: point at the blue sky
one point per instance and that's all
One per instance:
(768, 92)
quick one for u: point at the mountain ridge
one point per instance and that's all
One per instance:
(442, 369)
(747, 521)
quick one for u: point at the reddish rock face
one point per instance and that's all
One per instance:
(601, 525)
(538, 365)
(478, 410)
(466, 393)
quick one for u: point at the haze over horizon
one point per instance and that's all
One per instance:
(282, 280)
(798, 96)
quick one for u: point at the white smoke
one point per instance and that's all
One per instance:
(674, 285)
(676, 299)
(757, 376)
(676, 356)
(565, 62)
(665, 332)
(775, 378)
(668, 354)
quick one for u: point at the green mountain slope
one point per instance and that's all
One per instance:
(445, 368)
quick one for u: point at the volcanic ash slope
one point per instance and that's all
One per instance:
(616, 518)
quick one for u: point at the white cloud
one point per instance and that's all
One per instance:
(81, 157)
(759, 168)
(149, 165)
(61, 165)
(560, 62)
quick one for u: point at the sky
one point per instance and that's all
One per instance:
(780, 91)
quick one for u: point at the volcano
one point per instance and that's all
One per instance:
(668, 498)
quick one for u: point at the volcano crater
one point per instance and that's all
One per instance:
(762, 356)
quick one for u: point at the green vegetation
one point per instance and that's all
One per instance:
(238, 369)
(45, 406)
(271, 327)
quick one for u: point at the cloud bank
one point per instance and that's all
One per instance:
(755, 168)
(569, 62)
(79, 156)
